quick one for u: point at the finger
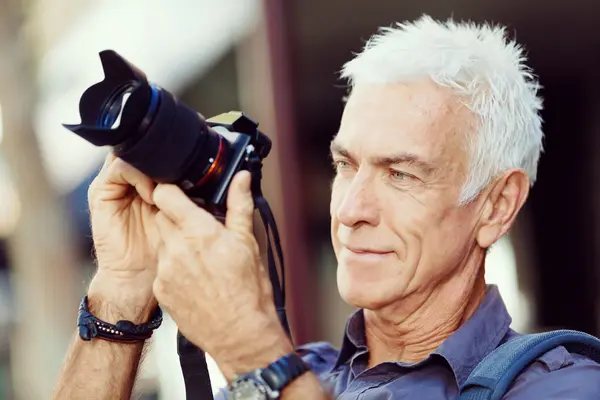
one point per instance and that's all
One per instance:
(166, 227)
(176, 205)
(120, 175)
(167, 231)
(100, 176)
(110, 158)
(98, 188)
(240, 205)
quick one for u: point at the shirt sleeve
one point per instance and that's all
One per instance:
(319, 357)
(221, 394)
(558, 375)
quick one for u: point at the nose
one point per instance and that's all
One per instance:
(360, 204)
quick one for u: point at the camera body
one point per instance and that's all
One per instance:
(243, 148)
(152, 130)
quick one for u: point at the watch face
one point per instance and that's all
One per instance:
(248, 390)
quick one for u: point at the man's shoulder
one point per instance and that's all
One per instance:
(320, 357)
(558, 374)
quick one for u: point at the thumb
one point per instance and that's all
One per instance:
(240, 205)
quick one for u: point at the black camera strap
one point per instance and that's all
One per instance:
(192, 359)
(194, 370)
(261, 204)
(277, 282)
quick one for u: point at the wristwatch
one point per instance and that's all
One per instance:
(267, 383)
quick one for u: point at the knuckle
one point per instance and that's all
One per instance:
(243, 207)
(175, 250)
(96, 183)
(161, 193)
(161, 218)
(220, 247)
(92, 189)
(110, 158)
(254, 248)
(162, 276)
(158, 287)
(164, 273)
(179, 252)
(116, 166)
(93, 193)
(189, 223)
(209, 237)
(248, 206)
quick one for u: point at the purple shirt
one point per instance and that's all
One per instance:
(556, 375)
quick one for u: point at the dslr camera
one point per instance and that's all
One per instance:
(152, 130)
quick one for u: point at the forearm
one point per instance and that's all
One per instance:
(99, 369)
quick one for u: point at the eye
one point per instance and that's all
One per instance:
(400, 176)
(340, 165)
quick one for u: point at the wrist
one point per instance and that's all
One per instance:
(112, 299)
(265, 343)
(123, 331)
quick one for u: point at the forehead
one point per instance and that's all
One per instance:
(421, 118)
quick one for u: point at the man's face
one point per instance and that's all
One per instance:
(401, 161)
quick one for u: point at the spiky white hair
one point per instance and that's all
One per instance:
(485, 69)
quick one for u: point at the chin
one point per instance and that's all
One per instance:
(369, 294)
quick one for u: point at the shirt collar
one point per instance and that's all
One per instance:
(463, 350)
(354, 338)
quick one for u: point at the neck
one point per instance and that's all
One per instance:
(410, 331)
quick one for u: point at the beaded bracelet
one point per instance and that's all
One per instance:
(123, 331)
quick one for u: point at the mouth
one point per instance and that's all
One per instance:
(367, 251)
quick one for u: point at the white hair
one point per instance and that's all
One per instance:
(484, 68)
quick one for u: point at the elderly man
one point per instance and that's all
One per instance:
(437, 149)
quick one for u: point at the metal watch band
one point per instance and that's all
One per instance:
(123, 331)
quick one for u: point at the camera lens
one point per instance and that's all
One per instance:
(173, 144)
(112, 111)
(152, 130)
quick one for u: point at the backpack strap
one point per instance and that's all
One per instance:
(492, 377)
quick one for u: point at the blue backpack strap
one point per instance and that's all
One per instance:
(492, 377)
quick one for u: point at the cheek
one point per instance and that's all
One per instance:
(407, 220)
(417, 229)
(445, 245)
(453, 235)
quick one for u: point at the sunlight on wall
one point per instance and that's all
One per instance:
(10, 207)
(501, 270)
(162, 364)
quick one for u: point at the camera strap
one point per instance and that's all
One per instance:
(273, 241)
(192, 359)
(277, 282)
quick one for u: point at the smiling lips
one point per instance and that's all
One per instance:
(361, 251)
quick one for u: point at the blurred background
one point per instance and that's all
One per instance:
(277, 60)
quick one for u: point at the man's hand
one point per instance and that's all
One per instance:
(212, 282)
(125, 240)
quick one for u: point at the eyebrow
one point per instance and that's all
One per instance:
(384, 161)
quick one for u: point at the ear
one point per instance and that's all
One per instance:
(501, 206)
